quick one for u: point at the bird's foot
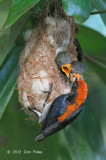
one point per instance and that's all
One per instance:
(49, 92)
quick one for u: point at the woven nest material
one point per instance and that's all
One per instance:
(37, 68)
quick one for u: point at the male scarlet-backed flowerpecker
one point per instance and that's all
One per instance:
(64, 110)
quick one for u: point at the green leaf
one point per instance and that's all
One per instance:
(100, 5)
(38, 7)
(8, 75)
(18, 8)
(97, 96)
(4, 8)
(94, 45)
(98, 89)
(64, 153)
(1, 1)
(85, 137)
(79, 9)
(9, 35)
(97, 66)
(92, 42)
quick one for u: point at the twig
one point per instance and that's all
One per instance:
(98, 12)
(96, 62)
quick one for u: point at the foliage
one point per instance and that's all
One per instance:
(84, 139)
(100, 5)
(8, 75)
(80, 9)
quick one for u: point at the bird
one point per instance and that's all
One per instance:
(64, 109)
(63, 61)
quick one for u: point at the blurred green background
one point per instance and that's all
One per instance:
(85, 138)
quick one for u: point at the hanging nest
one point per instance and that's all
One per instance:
(37, 67)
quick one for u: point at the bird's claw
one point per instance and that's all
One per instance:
(49, 92)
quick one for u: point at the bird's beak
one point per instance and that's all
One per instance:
(74, 76)
(66, 69)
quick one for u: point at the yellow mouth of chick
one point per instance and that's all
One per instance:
(66, 69)
(74, 76)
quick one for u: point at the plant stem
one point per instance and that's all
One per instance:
(98, 12)
(96, 62)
